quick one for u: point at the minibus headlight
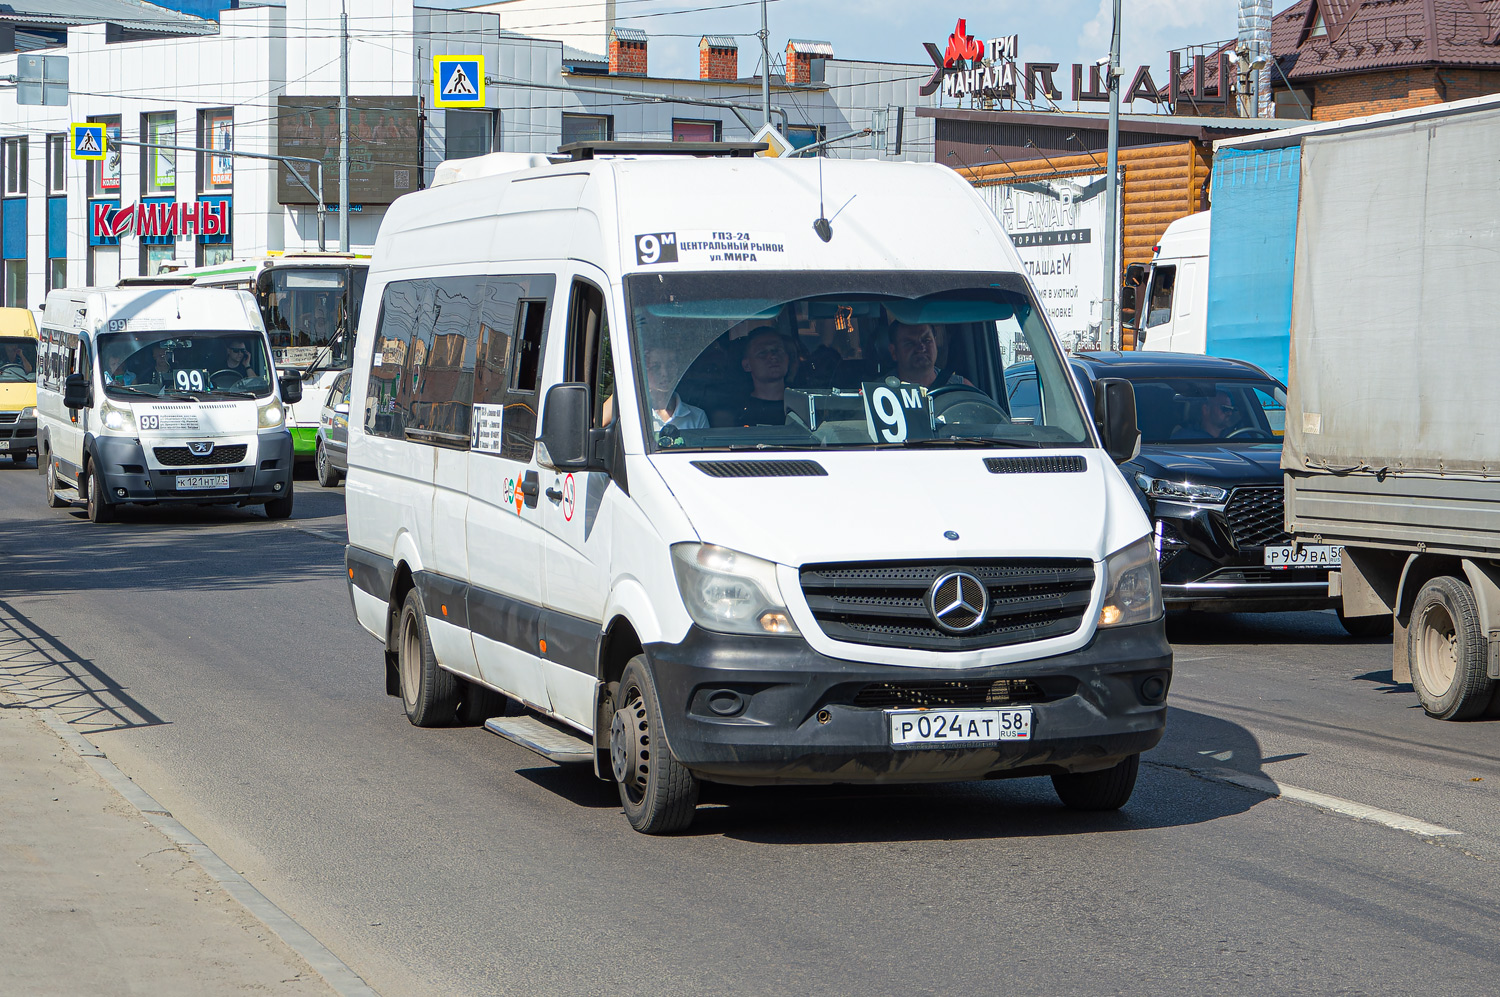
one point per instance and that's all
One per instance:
(117, 418)
(271, 414)
(1182, 491)
(29, 412)
(729, 592)
(1132, 590)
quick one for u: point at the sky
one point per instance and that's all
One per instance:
(1062, 31)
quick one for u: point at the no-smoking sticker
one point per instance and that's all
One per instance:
(568, 502)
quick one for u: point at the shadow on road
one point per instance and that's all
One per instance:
(1261, 628)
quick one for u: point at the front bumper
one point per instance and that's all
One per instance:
(122, 465)
(18, 436)
(1092, 714)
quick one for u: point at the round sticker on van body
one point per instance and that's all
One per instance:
(707, 247)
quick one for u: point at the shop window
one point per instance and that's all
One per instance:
(104, 266)
(15, 284)
(215, 131)
(212, 255)
(154, 257)
(801, 136)
(57, 164)
(695, 131)
(587, 128)
(104, 174)
(57, 274)
(158, 162)
(15, 167)
(469, 133)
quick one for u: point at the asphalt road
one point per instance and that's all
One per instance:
(214, 656)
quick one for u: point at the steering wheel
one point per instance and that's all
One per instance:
(213, 378)
(1259, 433)
(957, 403)
(13, 368)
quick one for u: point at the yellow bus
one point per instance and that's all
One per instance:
(17, 384)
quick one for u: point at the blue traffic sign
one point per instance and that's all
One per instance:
(88, 141)
(458, 81)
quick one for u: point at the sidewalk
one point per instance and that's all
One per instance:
(96, 900)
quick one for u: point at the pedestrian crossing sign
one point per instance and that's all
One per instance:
(88, 141)
(458, 81)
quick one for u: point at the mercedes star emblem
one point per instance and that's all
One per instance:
(958, 602)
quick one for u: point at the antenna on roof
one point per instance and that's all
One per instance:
(822, 226)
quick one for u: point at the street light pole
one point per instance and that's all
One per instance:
(765, 60)
(1112, 192)
(343, 129)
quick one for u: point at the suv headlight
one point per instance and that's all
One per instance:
(117, 418)
(271, 414)
(1182, 491)
(729, 592)
(1132, 591)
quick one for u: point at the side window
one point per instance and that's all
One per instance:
(85, 359)
(393, 337)
(444, 380)
(1274, 409)
(1159, 311)
(1025, 400)
(589, 360)
(512, 331)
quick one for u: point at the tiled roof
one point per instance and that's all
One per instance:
(1364, 35)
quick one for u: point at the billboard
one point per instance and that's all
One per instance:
(384, 138)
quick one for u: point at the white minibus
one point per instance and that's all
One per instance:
(160, 395)
(701, 469)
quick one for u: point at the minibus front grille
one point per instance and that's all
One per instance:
(960, 694)
(1030, 599)
(183, 457)
(9, 417)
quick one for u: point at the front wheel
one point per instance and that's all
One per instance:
(658, 793)
(1447, 651)
(100, 511)
(1109, 789)
(280, 508)
(328, 475)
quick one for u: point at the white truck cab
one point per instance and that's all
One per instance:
(160, 395)
(1174, 312)
(720, 486)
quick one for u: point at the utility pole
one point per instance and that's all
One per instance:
(765, 59)
(1112, 193)
(344, 128)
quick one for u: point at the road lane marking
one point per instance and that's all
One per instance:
(1258, 783)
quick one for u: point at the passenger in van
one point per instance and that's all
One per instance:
(914, 348)
(768, 361)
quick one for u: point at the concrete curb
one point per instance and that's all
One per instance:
(330, 967)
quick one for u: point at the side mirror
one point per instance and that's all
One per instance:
(342, 408)
(291, 387)
(1129, 298)
(76, 391)
(565, 428)
(1114, 415)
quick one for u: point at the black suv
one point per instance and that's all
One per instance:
(1209, 475)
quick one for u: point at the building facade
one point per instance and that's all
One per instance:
(265, 80)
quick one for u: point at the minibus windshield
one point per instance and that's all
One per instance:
(839, 360)
(176, 363)
(17, 360)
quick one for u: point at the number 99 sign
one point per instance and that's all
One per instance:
(190, 380)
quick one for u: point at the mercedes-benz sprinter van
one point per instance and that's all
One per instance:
(707, 464)
(162, 395)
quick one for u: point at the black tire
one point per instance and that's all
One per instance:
(658, 793)
(429, 694)
(328, 475)
(54, 500)
(280, 508)
(100, 511)
(480, 704)
(1109, 789)
(1366, 626)
(1447, 651)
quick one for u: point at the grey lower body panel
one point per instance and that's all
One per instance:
(1398, 511)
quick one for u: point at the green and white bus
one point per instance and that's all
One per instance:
(310, 304)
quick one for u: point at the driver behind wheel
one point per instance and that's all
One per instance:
(1215, 418)
(237, 359)
(914, 348)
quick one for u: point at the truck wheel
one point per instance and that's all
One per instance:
(658, 793)
(54, 500)
(100, 511)
(1447, 651)
(1366, 626)
(1105, 790)
(429, 694)
(280, 508)
(328, 475)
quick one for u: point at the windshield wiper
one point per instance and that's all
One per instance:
(975, 442)
(740, 447)
(231, 394)
(132, 389)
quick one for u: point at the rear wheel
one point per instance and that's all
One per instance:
(328, 475)
(100, 511)
(280, 508)
(1447, 651)
(480, 704)
(429, 694)
(658, 793)
(54, 500)
(1105, 790)
(1366, 626)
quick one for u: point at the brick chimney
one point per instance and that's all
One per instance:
(804, 60)
(627, 52)
(718, 58)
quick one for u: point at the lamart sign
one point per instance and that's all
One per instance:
(969, 67)
(160, 218)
